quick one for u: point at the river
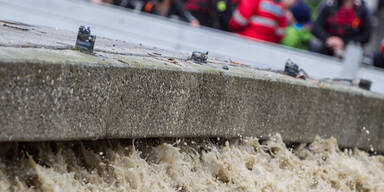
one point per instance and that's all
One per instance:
(243, 164)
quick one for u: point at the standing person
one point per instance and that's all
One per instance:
(224, 10)
(340, 22)
(298, 33)
(378, 60)
(263, 20)
(203, 11)
(172, 8)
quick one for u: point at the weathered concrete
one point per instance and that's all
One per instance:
(50, 92)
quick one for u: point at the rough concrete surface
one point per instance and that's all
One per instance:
(50, 92)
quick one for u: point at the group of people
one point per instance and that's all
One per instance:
(323, 26)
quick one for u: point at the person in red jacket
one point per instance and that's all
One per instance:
(382, 47)
(378, 60)
(263, 20)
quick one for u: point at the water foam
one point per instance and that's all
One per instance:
(236, 165)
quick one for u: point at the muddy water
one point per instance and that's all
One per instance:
(188, 165)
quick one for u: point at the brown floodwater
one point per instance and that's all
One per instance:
(244, 164)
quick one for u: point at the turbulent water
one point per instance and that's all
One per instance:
(188, 165)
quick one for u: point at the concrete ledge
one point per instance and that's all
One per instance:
(50, 94)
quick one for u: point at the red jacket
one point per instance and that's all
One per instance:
(382, 47)
(260, 19)
(202, 6)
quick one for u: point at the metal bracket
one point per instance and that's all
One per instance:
(199, 57)
(85, 41)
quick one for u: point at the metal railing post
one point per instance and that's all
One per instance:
(351, 63)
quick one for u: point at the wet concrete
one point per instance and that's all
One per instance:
(50, 92)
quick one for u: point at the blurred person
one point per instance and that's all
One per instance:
(166, 8)
(211, 13)
(263, 20)
(378, 60)
(203, 10)
(340, 22)
(298, 34)
(148, 6)
(175, 8)
(224, 10)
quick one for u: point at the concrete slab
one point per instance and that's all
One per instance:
(133, 26)
(50, 92)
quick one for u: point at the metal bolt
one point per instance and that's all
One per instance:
(365, 84)
(291, 68)
(85, 41)
(199, 57)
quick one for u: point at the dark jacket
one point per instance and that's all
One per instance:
(350, 25)
(177, 8)
(203, 10)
